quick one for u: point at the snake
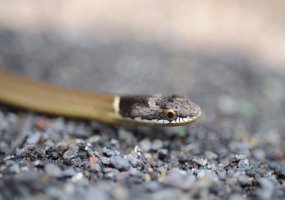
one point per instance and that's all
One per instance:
(50, 99)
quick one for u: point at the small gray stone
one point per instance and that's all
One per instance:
(211, 155)
(280, 170)
(145, 145)
(54, 155)
(200, 161)
(34, 138)
(111, 173)
(183, 158)
(14, 168)
(156, 144)
(240, 147)
(225, 162)
(208, 175)
(105, 161)
(152, 186)
(162, 154)
(127, 136)
(95, 167)
(135, 172)
(120, 163)
(236, 197)
(108, 152)
(243, 165)
(259, 154)
(168, 194)
(133, 160)
(3, 123)
(243, 180)
(69, 172)
(115, 143)
(179, 180)
(238, 157)
(53, 170)
(70, 153)
(222, 174)
(95, 193)
(55, 193)
(266, 190)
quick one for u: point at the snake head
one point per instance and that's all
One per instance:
(171, 110)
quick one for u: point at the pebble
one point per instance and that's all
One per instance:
(280, 170)
(111, 173)
(152, 186)
(54, 155)
(69, 172)
(105, 160)
(145, 145)
(93, 160)
(259, 154)
(121, 192)
(225, 162)
(178, 180)
(244, 180)
(120, 163)
(34, 138)
(211, 155)
(135, 172)
(53, 170)
(238, 157)
(183, 158)
(240, 147)
(71, 153)
(3, 123)
(77, 177)
(200, 161)
(156, 144)
(42, 123)
(208, 175)
(222, 174)
(127, 136)
(82, 154)
(14, 168)
(134, 161)
(108, 152)
(236, 197)
(168, 193)
(243, 165)
(96, 167)
(162, 154)
(115, 143)
(94, 192)
(266, 190)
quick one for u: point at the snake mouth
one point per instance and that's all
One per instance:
(176, 122)
(156, 110)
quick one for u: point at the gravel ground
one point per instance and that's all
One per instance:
(235, 151)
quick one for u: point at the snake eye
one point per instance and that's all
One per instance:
(169, 114)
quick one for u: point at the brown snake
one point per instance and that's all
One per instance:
(111, 109)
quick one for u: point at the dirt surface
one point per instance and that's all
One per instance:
(229, 60)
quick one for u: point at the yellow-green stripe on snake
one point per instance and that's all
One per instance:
(111, 109)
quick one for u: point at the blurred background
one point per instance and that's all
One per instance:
(228, 56)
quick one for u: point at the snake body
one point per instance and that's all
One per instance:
(111, 109)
